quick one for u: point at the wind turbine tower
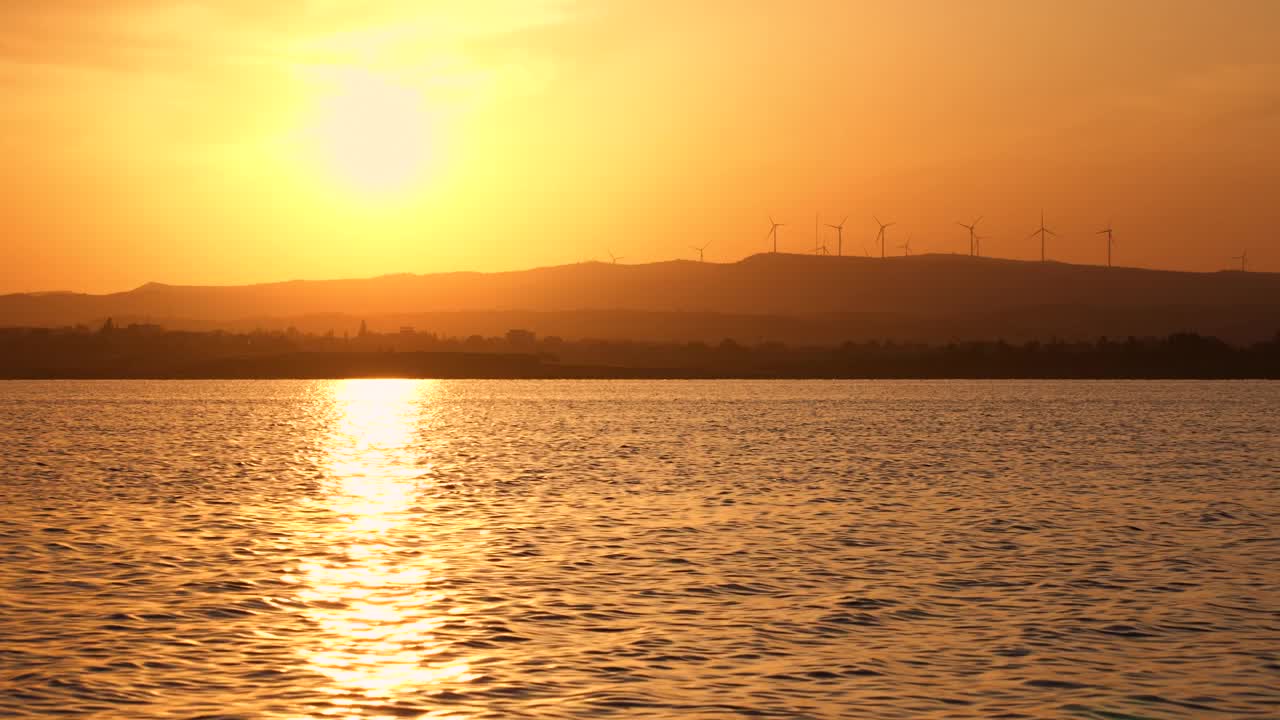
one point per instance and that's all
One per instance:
(773, 232)
(973, 236)
(839, 236)
(881, 235)
(1107, 232)
(701, 250)
(819, 247)
(977, 244)
(906, 247)
(1042, 231)
(1243, 257)
(614, 258)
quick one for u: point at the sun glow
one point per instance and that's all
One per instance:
(374, 133)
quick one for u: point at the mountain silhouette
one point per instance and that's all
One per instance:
(794, 298)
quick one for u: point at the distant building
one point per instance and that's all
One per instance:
(523, 339)
(406, 330)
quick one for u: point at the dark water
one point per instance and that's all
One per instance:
(402, 549)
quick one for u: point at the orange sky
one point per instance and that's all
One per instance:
(233, 142)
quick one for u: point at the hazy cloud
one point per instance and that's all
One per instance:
(156, 35)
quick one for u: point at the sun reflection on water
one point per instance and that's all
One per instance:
(368, 588)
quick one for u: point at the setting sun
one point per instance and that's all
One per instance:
(373, 133)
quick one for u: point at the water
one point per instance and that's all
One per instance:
(402, 549)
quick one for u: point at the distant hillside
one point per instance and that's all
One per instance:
(793, 298)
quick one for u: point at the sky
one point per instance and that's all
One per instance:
(233, 142)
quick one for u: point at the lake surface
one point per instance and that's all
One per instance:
(509, 549)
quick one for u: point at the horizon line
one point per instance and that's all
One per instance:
(962, 257)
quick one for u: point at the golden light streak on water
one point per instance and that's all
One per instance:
(368, 599)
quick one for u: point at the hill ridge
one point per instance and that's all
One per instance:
(763, 257)
(929, 287)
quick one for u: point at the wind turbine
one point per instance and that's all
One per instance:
(1243, 257)
(1042, 231)
(1108, 232)
(906, 248)
(881, 235)
(614, 258)
(773, 232)
(973, 236)
(700, 250)
(839, 236)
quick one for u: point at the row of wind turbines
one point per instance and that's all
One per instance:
(975, 240)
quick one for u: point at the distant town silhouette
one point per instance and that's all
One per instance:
(149, 351)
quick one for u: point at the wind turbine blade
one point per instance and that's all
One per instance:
(963, 225)
(878, 221)
(975, 222)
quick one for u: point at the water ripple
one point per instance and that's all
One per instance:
(404, 549)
